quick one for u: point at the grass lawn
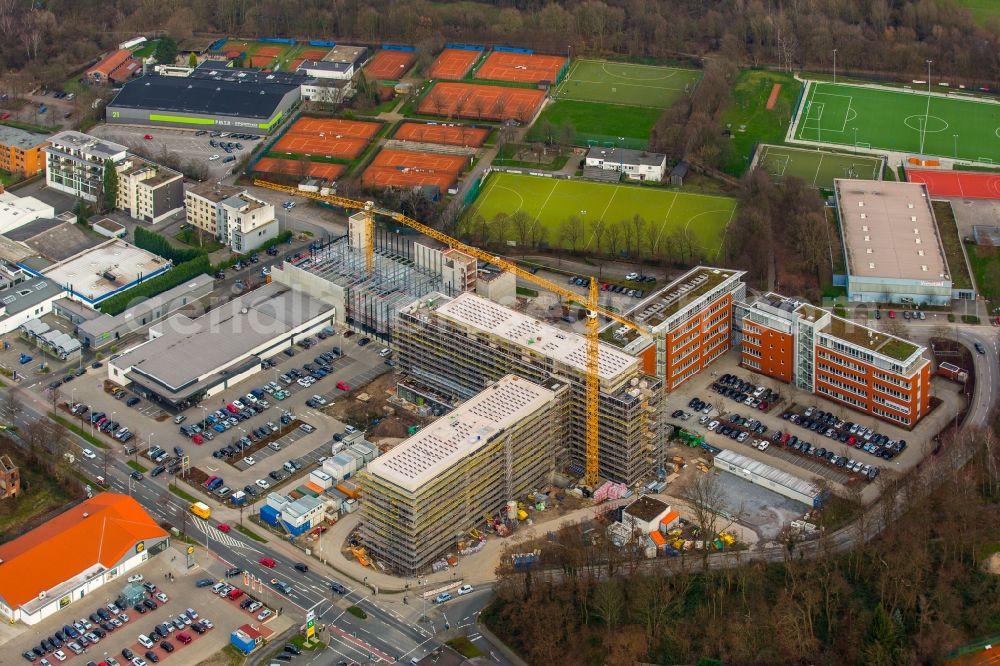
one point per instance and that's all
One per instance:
(246, 531)
(599, 123)
(76, 429)
(136, 466)
(749, 111)
(180, 493)
(205, 241)
(40, 493)
(357, 612)
(952, 242)
(625, 83)
(522, 155)
(907, 121)
(551, 201)
(6, 177)
(985, 263)
(465, 647)
(816, 167)
(980, 9)
(145, 50)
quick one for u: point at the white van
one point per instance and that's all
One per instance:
(145, 641)
(385, 351)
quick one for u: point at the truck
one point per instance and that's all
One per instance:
(201, 510)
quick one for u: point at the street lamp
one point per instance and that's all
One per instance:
(955, 139)
(835, 65)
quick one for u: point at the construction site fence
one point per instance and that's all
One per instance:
(399, 47)
(464, 47)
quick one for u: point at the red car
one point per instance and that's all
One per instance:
(183, 638)
(197, 439)
(267, 562)
(343, 386)
(209, 481)
(231, 408)
(235, 594)
(147, 137)
(224, 527)
(892, 314)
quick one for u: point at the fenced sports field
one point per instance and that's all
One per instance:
(389, 65)
(480, 102)
(816, 167)
(905, 121)
(523, 67)
(408, 168)
(330, 137)
(294, 168)
(625, 83)
(453, 63)
(453, 134)
(551, 201)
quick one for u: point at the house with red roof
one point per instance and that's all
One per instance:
(70, 556)
(118, 66)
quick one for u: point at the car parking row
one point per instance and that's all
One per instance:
(247, 602)
(101, 422)
(635, 292)
(744, 392)
(855, 435)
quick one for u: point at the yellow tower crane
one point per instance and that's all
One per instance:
(590, 302)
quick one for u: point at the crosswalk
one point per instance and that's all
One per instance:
(216, 535)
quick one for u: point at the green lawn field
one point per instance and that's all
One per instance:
(981, 9)
(816, 167)
(551, 201)
(748, 118)
(906, 121)
(598, 123)
(625, 83)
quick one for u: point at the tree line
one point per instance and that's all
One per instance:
(910, 595)
(897, 36)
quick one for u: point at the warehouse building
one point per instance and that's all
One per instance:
(864, 369)
(185, 360)
(892, 247)
(458, 346)
(71, 556)
(425, 494)
(204, 103)
(764, 475)
(694, 315)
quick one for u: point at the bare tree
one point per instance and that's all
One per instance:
(571, 232)
(705, 498)
(609, 603)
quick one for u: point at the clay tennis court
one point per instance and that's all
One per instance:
(968, 184)
(481, 102)
(523, 67)
(268, 51)
(449, 135)
(294, 168)
(390, 64)
(453, 63)
(261, 61)
(407, 168)
(313, 54)
(294, 64)
(332, 137)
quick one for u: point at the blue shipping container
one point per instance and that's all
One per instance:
(270, 515)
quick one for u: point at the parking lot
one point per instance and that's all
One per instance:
(791, 399)
(180, 593)
(185, 143)
(153, 426)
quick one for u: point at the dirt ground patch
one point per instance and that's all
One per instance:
(394, 420)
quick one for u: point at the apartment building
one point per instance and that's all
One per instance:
(690, 324)
(201, 205)
(21, 151)
(147, 191)
(426, 493)
(458, 346)
(74, 163)
(864, 369)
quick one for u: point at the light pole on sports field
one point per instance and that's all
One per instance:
(927, 113)
(954, 138)
(835, 65)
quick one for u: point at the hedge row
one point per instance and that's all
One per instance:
(179, 274)
(159, 245)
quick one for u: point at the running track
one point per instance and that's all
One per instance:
(967, 184)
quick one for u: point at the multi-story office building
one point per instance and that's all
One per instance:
(458, 346)
(864, 369)
(690, 324)
(201, 205)
(21, 151)
(427, 492)
(147, 191)
(74, 163)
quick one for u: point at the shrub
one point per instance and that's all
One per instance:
(157, 285)
(159, 245)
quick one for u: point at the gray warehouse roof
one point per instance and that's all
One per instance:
(772, 474)
(625, 155)
(27, 294)
(19, 138)
(203, 95)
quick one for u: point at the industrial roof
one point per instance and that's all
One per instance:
(27, 294)
(889, 230)
(188, 349)
(105, 322)
(559, 345)
(770, 473)
(18, 138)
(646, 508)
(220, 97)
(683, 292)
(91, 145)
(87, 539)
(217, 71)
(214, 191)
(460, 434)
(105, 268)
(17, 211)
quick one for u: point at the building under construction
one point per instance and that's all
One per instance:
(458, 346)
(428, 492)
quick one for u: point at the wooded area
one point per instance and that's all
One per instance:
(909, 596)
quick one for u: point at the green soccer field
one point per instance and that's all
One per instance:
(816, 167)
(905, 121)
(551, 201)
(625, 83)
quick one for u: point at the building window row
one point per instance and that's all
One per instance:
(843, 385)
(890, 415)
(891, 391)
(839, 396)
(891, 379)
(857, 367)
(834, 370)
(750, 351)
(890, 404)
(751, 364)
